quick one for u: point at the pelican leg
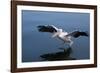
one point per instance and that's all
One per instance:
(70, 44)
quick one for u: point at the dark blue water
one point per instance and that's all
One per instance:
(35, 43)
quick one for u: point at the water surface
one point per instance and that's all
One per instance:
(35, 43)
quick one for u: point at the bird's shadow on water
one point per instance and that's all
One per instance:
(60, 55)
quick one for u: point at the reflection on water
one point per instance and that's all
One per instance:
(61, 55)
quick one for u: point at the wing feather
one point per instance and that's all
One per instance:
(76, 34)
(47, 28)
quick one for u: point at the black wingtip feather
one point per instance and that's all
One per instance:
(81, 34)
(48, 28)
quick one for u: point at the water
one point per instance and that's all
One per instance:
(35, 43)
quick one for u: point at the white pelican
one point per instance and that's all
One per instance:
(62, 35)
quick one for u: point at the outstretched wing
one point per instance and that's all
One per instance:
(76, 34)
(47, 28)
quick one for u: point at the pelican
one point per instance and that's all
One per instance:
(61, 34)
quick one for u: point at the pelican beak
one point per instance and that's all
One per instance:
(54, 35)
